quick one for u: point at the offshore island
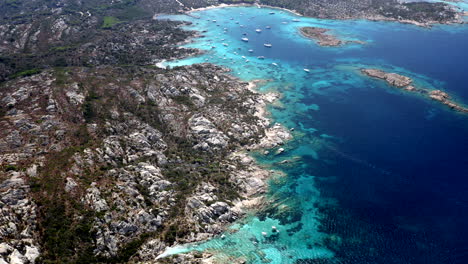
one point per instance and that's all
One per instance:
(323, 38)
(406, 83)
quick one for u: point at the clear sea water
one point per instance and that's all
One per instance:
(377, 175)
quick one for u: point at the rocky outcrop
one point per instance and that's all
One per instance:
(323, 38)
(18, 215)
(274, 136)
(320, 35)
(208, 137)
(392, 79)
(444, 98)
(405, 83)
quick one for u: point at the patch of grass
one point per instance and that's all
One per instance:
(13, 3)
(10, 167)
(61, 48)
(183, 99)
(109, 22)
(25, 73)
(63, 233)
(88, 110)
(61, 75)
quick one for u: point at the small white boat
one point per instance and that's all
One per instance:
(261, 57)
(243, 57)
(214, 21)
(258, 30)
(245, 39)
(296, 20)
(306, 70)
(284, 22)
(268, 45)
(268, 27)
(225, 44)
(251, 50)
(275, 64)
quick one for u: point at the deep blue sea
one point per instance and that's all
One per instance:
(378, 175)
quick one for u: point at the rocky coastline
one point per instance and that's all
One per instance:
(367, 13)
(406, 83)
(139, 160)
(251, 179)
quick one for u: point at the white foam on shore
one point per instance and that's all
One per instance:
(178, 249)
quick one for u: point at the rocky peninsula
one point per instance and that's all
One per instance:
(323, 38)
(406, 83)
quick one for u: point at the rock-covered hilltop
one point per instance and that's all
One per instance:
(99, 162)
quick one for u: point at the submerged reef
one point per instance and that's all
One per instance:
(405, 83)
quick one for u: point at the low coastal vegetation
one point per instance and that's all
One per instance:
(419, 12)
(109, 22)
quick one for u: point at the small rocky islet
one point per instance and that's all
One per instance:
(325, 39)
(406, 83)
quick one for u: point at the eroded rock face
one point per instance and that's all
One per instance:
(207, 135)
(18, 215)
(274, 136)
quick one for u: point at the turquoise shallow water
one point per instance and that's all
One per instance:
(378, 175)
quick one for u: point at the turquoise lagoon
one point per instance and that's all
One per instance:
(377, 175)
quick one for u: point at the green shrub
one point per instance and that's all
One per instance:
(25, 73)
(109, 22)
